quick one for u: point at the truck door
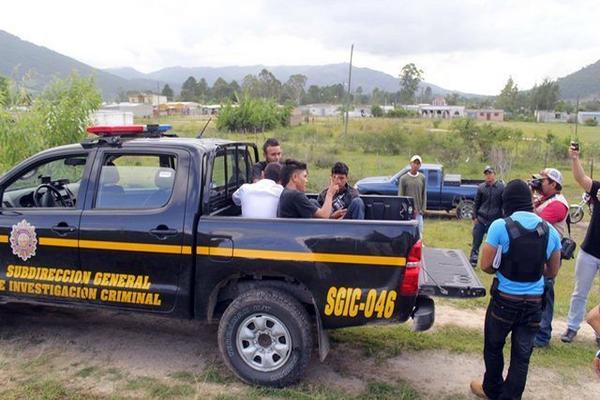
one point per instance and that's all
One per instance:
(41, 206)
(131, 232)
(434, 188)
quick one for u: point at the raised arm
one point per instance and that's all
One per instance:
(584, 181)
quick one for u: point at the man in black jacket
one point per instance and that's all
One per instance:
(488, 207)
(346, 201)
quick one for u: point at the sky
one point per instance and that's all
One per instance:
(467, 45)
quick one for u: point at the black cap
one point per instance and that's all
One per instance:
(488, 168)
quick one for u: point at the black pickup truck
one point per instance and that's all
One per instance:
(133, 220)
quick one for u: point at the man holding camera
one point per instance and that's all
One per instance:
(587, 264)
(488, 207)
(553, 208)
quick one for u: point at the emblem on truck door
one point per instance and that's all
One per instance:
(23, 240)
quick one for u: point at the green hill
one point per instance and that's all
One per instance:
(584, 83)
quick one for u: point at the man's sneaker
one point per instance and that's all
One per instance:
(568, 336)
(477, 389)
(539, 344)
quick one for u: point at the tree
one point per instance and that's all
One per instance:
(507, 99)
(189, 90)
(251, 86)
(452, 99)
(295, 87)
(313, 95)
(202, 90)
(220, 90)
(167, 91)
(545, 96)
(270, 86)
(410, 77)
(428, 95)
(4, 91)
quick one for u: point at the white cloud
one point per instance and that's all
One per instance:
(471, 45)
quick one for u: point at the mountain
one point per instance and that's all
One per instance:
(19, 57)
(584, 83)
(321, 75)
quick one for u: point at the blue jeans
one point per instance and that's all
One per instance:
(419, 219)
(545, 333)
(356, 209)
(586, 268)
(502, 317)
(479, 230)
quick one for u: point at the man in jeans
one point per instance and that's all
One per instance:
(529, 249)
(488, 207)
(587, 264)
(413, 184)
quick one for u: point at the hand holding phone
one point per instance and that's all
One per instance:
(574, 146)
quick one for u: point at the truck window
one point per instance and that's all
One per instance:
(231, 169)
(136, 181)
(432, 178)
(51, 184)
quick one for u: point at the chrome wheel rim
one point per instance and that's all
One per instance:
(263, 342)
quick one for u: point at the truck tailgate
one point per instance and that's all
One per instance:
(447, 272)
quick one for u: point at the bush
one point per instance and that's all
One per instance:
(376, 111)
(590, 122)
(253, 115)
(401, 113)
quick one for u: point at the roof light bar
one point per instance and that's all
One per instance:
(128, 130)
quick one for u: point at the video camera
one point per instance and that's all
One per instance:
(535, 184)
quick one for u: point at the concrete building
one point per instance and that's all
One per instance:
(148, 98)
(180, 108)
(486, 114)
(554, 116)
(112, 117)
(443, 112)
(321, 110)
(583, 116)
(439, 101)
(139, 110)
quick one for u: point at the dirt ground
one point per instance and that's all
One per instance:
(61, 343)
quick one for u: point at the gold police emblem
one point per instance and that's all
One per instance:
(23, 240)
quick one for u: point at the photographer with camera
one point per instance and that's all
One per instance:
(552, 207)
(587, 264)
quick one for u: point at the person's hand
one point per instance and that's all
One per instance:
(597, 366)
(333, 187)
(573, 154)
(339, 214)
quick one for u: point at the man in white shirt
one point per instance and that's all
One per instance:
(261, 199)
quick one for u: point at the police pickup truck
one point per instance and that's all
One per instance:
(138, 221)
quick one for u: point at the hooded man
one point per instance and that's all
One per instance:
(520, 250)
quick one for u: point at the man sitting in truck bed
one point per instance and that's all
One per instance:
(346, 202)
(293, 202)
(261, 199)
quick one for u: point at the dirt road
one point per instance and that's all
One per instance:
(105, 353)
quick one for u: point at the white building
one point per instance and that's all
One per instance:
(583, 116)
(443, 112)
(148, 98)
(139, 110)
(112, 117)
(553, 116)
(321, 110)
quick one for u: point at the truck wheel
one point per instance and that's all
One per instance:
(464, 209)
(265, 338)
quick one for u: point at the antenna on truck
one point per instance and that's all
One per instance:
(199, 136)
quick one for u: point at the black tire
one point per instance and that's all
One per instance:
(465, 209)
(288, 315)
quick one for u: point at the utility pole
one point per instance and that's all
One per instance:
(349, 83)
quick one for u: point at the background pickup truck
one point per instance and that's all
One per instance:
(444, 192)
(144, 223)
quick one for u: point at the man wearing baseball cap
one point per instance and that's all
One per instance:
(487, 208)
(553, 208)
(413, 184)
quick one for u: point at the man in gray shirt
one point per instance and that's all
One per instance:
(413, 184)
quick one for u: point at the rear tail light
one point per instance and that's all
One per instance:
(410, 283)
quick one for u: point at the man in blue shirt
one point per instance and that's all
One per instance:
(520, 250)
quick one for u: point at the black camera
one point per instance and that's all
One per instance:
(535, 185)
(574, 146)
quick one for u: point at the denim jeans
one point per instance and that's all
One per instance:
(356, 209)
(545, 333)
(504, 316)
(419, 218)
(479, 230)
(586, 268)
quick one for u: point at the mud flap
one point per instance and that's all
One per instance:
(423, 314)
(322, 336)
(448, 273)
